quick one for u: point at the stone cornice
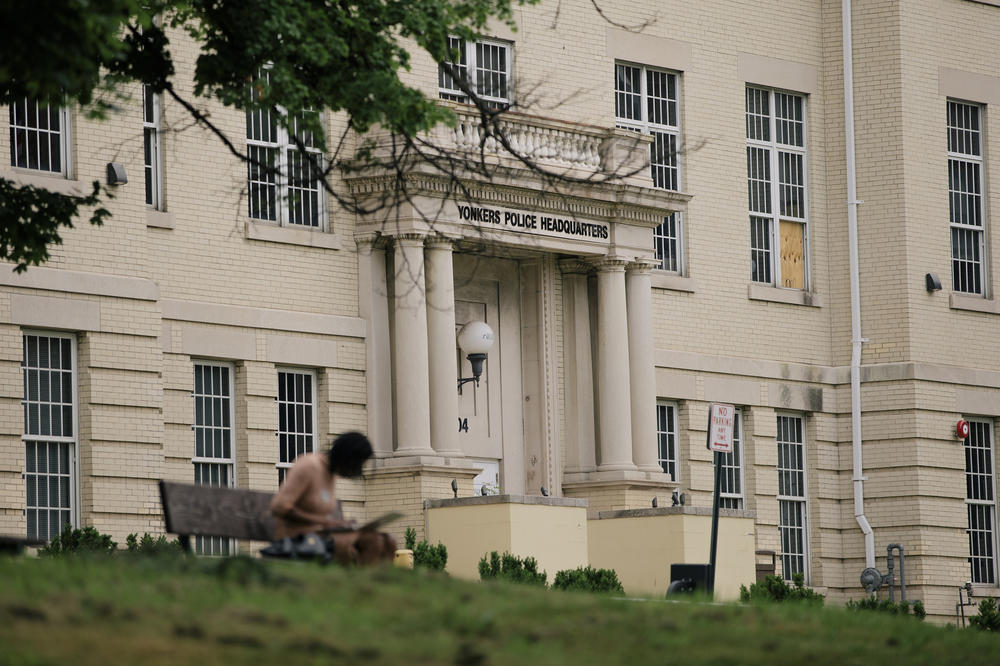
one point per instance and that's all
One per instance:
(610, 202)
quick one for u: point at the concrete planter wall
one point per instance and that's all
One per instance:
(641, 544)
(553, 530)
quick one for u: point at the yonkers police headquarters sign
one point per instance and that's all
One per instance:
(532, 223)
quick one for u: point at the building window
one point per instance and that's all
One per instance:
(296, 418)
(965, 197)
(284, 170)
(776, 182)
(38, 136)
(214, 454)
(731, 486)
(152, 139)
(48, 369)
(792, 513)
(666, 436)
(980, 498)
(485, 65)
(647, 101)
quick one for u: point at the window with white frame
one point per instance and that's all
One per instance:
(980, 500)
(486, 67)
(152, 140)
(214, 448)
(792, 514)
(776, 184)
(731, 481)
(296, 417)
(284, 169)
(666, 437)
(39, 136)
(48, 366)
(647, 101)
(965, 197)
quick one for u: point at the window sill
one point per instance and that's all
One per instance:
(973, 303)
(985, 590)
(665, 280)
(52, 182)
(761, 292)
(159, 219)
(270, 233)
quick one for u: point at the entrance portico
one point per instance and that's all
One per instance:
(567, 396)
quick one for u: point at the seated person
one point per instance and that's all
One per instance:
(307, 501)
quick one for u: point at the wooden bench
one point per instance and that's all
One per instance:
(196, 510)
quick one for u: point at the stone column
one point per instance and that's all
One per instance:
(614, 405)
(642, 370)
(373, 304)
(413, 427)
(581, 449)
(441, 347)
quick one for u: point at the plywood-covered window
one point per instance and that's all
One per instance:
(777, 188)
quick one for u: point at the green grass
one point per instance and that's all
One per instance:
(149, 611)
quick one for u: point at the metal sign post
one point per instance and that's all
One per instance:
(721, 418)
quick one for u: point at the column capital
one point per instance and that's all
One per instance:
(437, 241)
(642, 266)
(575, 266)
(610, 264)
(370, 241)
(409, 238)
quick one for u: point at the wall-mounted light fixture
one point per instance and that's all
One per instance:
(116, 174)
(475, 339)
(933, 282)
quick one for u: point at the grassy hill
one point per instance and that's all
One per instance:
(147, 611)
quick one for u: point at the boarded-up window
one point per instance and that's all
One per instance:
(793, 266)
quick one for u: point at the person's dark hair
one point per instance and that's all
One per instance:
(349, 453)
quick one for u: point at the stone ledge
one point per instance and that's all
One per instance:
(260, 231)
(671, 511)
(973, 303)
(663, 280)
(482, 500)
(762, 292)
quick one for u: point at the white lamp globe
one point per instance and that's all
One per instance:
(476, 337)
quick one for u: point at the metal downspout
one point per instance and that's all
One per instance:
(856, 339)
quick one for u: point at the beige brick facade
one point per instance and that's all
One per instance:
(152, 293)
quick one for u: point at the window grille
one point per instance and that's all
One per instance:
(214, 451)
(284, 169)
(776, 188)
(48, 371)
(296, 418)
(965, 197)
(647, 101)
(731, 481)
(37, 136)
(792, 496)
(980, 500)
(485, 65)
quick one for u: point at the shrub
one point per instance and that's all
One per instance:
(775, 589)
(73, 541)
(147, 545)
(988, 618)
(511, 568)
(424, 554)
(588, 579)
(886, 606)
